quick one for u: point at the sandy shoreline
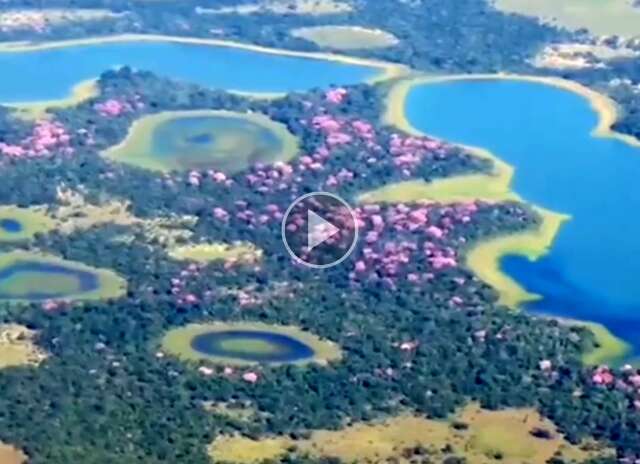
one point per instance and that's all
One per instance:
(484, 257)
(87, 89)
(387, 70)
(38, 109)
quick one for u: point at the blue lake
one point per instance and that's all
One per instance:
(211, 66)
(254, 346)
(34, 281)
(593, 269)
(11, 225)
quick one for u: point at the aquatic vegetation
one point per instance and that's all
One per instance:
(486, 258)
(613, 17)
(478, 435)
(17, 348)
(19, 224)
(607, 348)
(39, 110)
(248, 343)
(30, 276)
(345, 37)
(241, 253)
(483, 258)
(218, 140)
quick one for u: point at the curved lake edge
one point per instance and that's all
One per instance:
(83, 90)
(112, 285)
(177, 342)
(86, 89)
(483, 258)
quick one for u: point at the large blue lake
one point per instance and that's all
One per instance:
(23, 79)
(593, 270)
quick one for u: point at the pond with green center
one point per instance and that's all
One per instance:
(248, 343)
(27, 277)
(220, 140)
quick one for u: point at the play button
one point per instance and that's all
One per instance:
(319, 230)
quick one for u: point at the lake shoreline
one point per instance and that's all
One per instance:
(483, 258)
(388, 70)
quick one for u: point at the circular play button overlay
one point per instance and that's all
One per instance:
(319, 229)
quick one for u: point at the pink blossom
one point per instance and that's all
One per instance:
(335, 95)
(435, 231)
(442, 262)
(250, 377)
(50, 305)
(112, 108)
(360, 266)
(408, 346)
(545, 365)
(206, 371)
(190, 298)
(221, 214)
(338, 138)
(219, 176)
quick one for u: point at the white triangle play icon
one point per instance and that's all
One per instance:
(319, 230)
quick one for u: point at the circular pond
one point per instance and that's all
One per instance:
(10, 225)
(33, 277)
(17, 224)
(248, 343)
(250, 346)
(220, 140)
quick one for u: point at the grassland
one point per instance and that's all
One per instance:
(32, 221)
(239, 252)
(177, 342)
(346, 37)
(479, 435)
(17, 287)
(600, 17)
(17, 348)
(137, 148)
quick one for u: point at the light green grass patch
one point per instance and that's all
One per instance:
(28, 284)
(346, 37)
(241, 252)
(600, 17)
(32, 221)
(178, 343)
(201, 139)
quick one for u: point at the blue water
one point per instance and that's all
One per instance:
(212, 66)
(286, 349)
(593, 269)
(12, 226)
(87, 281)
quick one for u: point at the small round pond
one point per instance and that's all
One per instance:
(252, 346)
(220, 140)
(18, 224)
(248, 343)
(10, 226)
(33, 277)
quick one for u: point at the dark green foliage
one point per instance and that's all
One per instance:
(104, 397)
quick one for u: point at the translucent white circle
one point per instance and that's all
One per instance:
(346, 253)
